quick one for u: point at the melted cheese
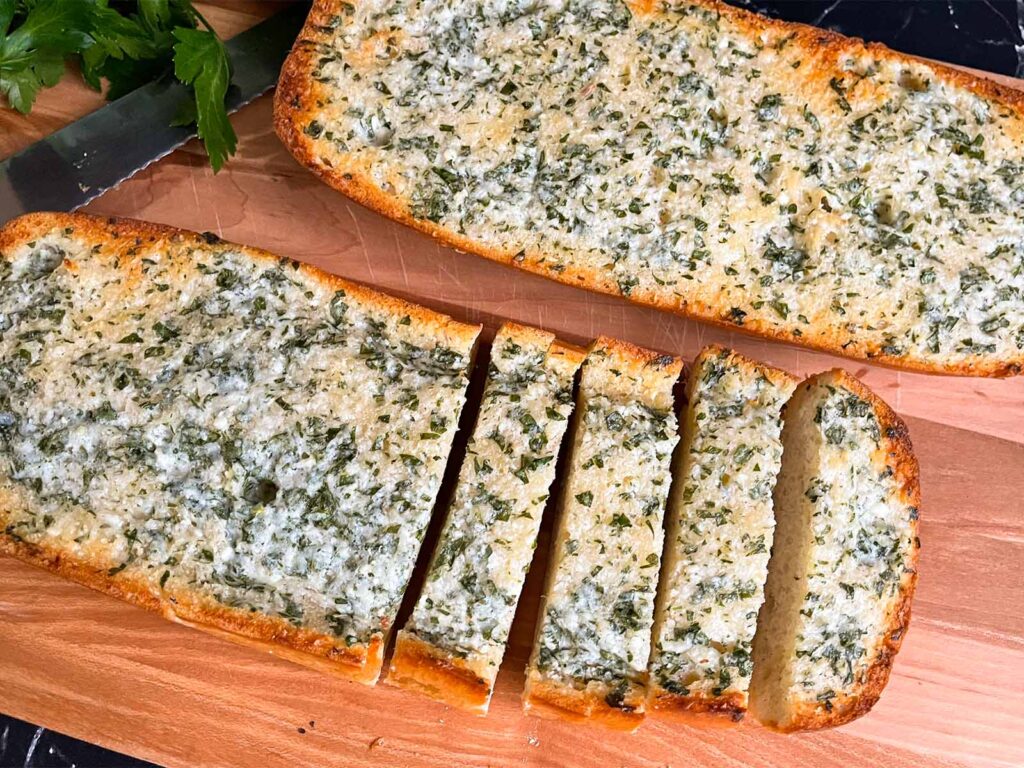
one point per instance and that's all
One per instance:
(207, 421)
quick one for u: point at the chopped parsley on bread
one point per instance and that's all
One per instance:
(453, 644)
(239, 442)
(844, 562)
(593, 635)
(765, 176)
(719, 535)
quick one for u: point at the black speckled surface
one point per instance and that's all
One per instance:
(29, 746)
(986, 34)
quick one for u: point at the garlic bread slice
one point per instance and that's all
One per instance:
(844, 563)
(594, 627)
(453, 644)
(719, 535)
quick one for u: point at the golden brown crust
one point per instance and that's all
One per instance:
(557, 700)
(728, 709)
(633, 372)
(568, 354)
(328, 654)
(776, 376)
(831, 46)
(127, 238)
(298, 96)
(899, 456)
(423, 667)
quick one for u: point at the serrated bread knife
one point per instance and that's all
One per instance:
(69, 168)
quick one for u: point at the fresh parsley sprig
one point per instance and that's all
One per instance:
(124, 44)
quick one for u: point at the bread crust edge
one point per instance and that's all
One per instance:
(428, 669)
(553, 699)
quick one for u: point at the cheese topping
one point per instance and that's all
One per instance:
(596, 624)
(208, 421)
(720, 529)
(858, 553)
(682, 158)
(484, 553)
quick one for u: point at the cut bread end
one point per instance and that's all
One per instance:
(423, 667)
(783, 696)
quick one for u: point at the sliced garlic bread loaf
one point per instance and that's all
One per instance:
(719, 534)
(244, 444)
(844, 563)
(594, 627)
(453, 644)
(688, 155)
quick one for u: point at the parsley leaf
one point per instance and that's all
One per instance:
(123, 49)
(200, 60)
(114, 37)
(32, 56)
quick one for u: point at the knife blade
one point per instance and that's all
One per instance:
(83, 160)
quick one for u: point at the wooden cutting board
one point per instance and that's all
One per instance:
(87, 665)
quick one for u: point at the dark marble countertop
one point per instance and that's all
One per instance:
(985, 34)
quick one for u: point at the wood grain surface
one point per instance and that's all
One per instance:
(92, 667)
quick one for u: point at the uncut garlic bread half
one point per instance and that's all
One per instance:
(719, 535)
(453, 644)
(688, 155)
(593, 635)
(242, 443)
(844, 563)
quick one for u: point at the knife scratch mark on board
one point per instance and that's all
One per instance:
(401, 258)
(220, 227)
(362, 242)
(195, 189)
(448, 268)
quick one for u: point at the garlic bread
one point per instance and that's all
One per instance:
(844, 563)
(769, 177)
(239, 442)
(593, 635)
